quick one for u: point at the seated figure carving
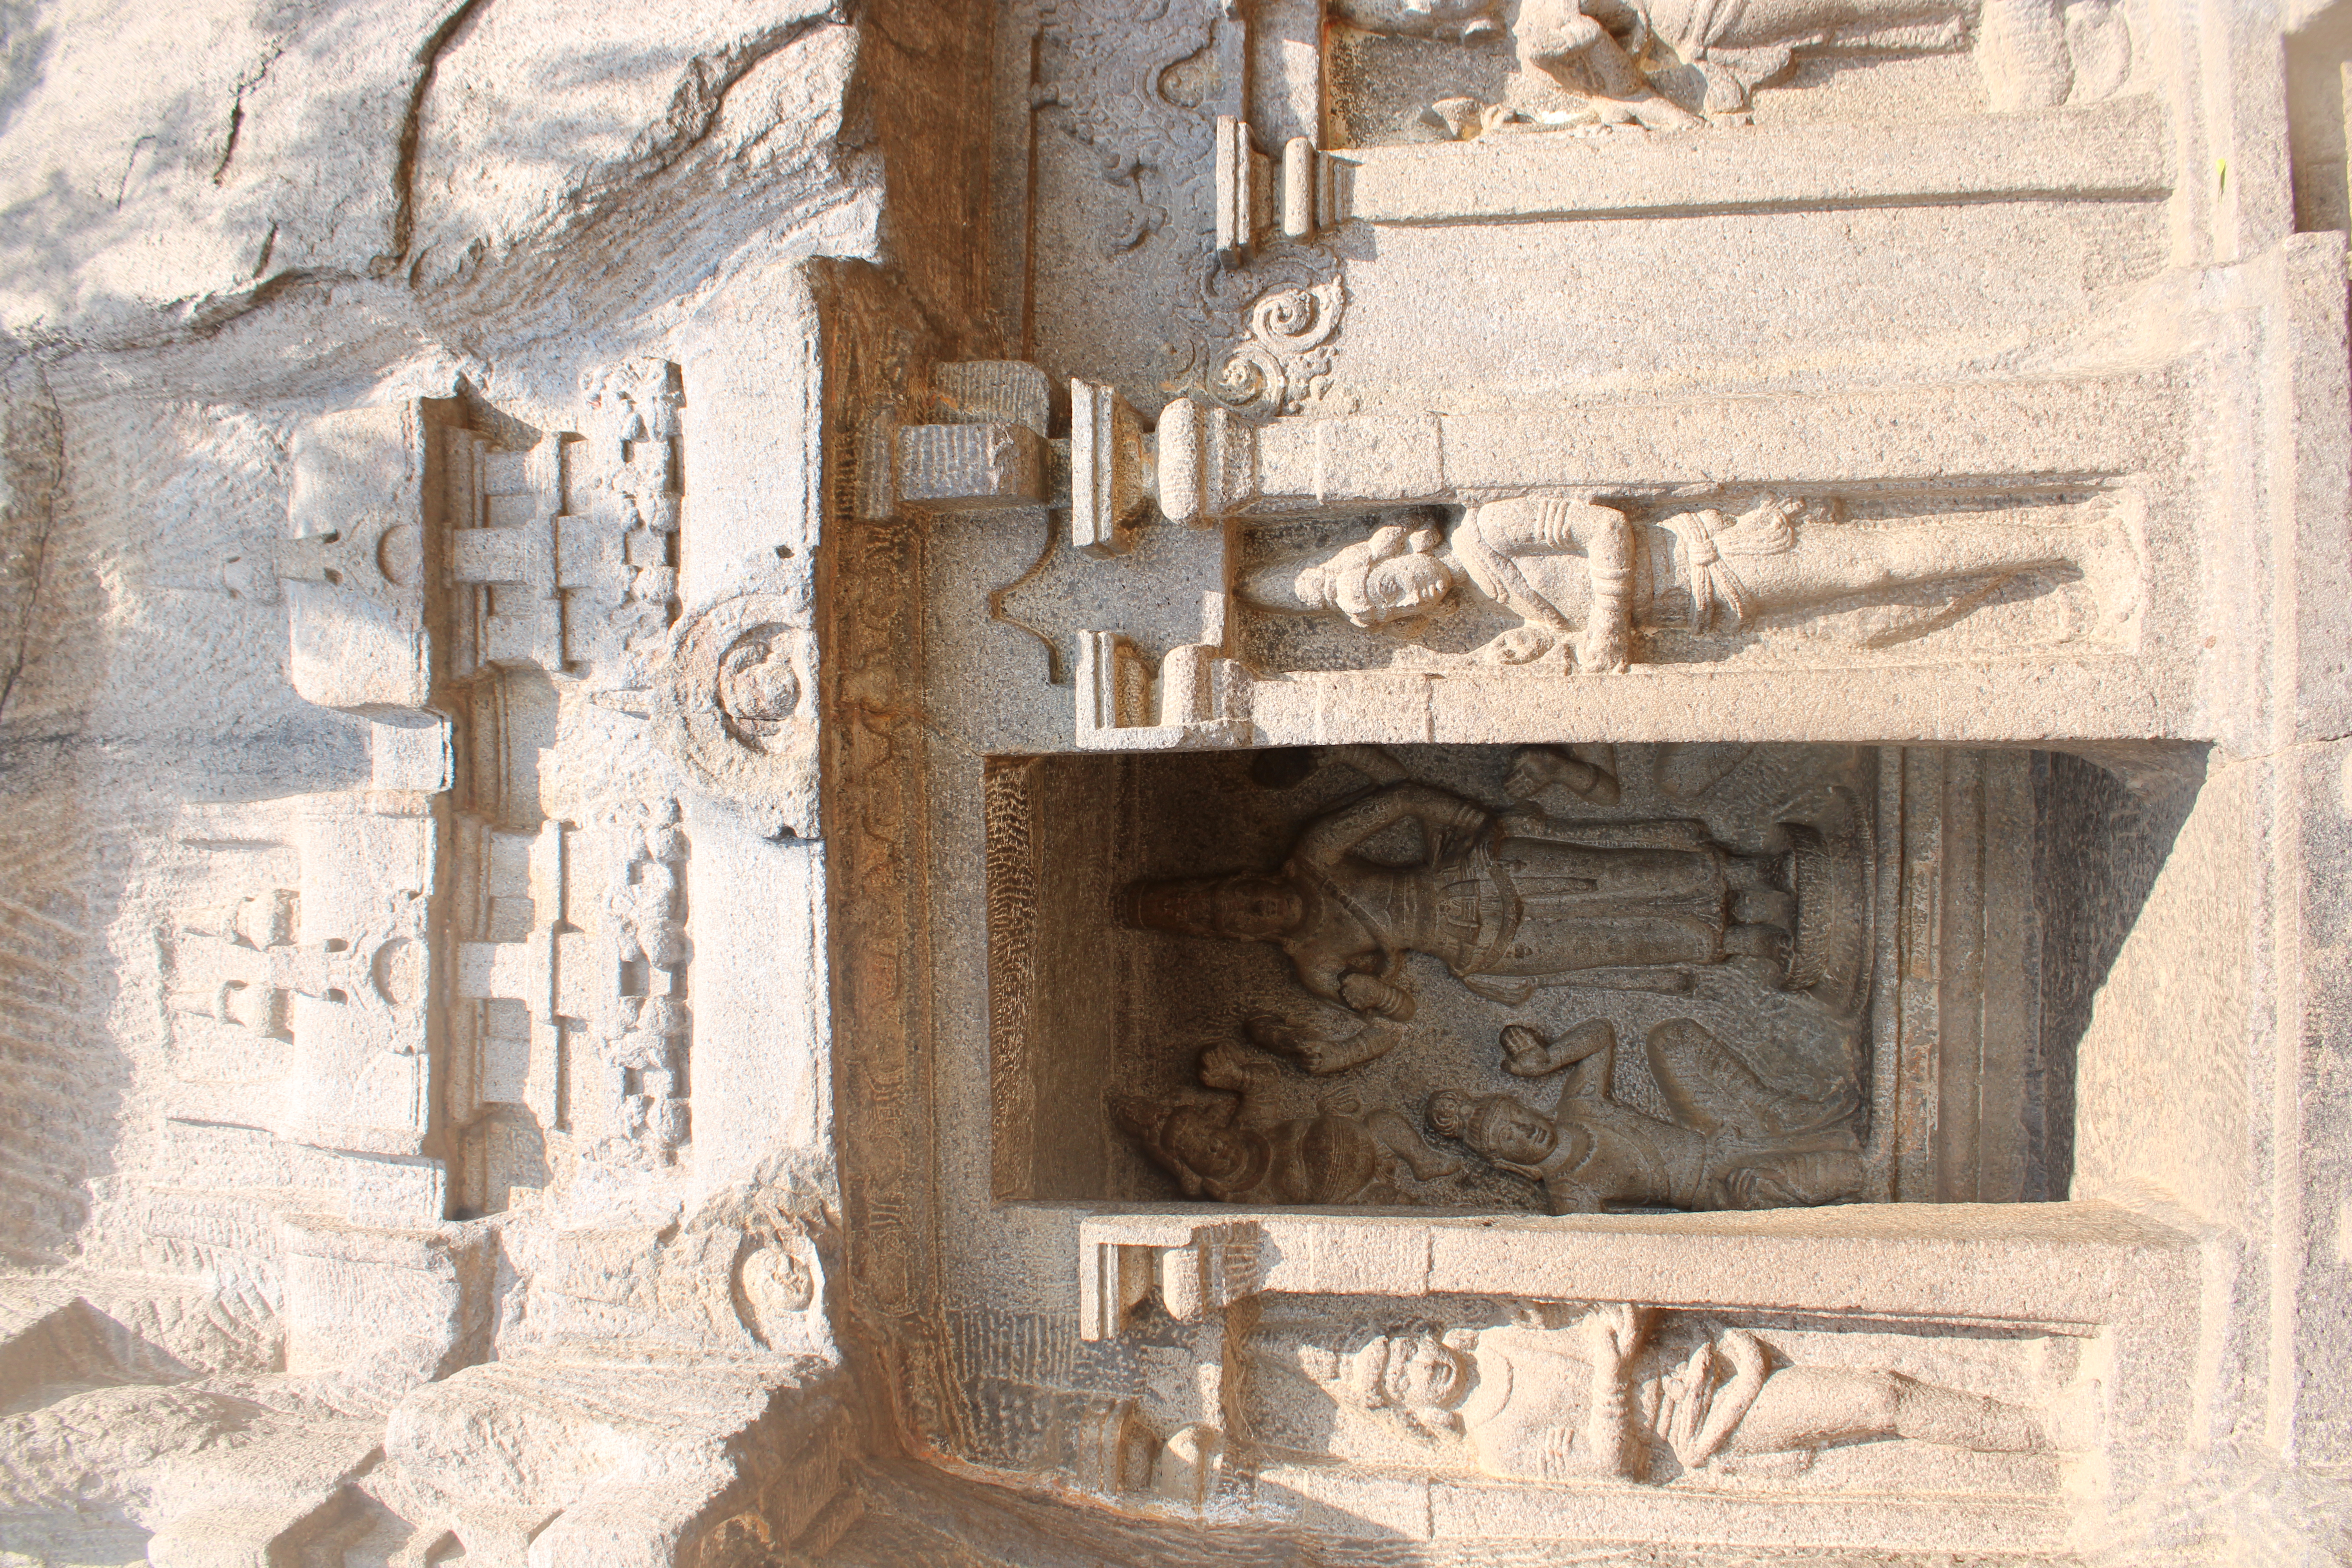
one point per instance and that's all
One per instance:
(1507, 901)
(1536, 1402)
(1224, 1146)
(1573, 568)
(1735, 1141)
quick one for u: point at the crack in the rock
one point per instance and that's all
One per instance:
(695, 107)
(43, 503)
(244, 84)
(412, 128)
(122, 186)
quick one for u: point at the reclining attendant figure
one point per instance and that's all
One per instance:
(1630, 60)
(1542, 1404)
(1737, 1143)
(1573, 568)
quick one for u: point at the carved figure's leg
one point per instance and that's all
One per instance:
(1802, 1179)
(1558, 40)
(1399, 1137)
(2022, 52)
(1831, 560)
(1802, 1408)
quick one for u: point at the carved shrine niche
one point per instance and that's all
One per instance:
(1535, 979)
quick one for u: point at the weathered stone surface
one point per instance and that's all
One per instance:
(1035, 781)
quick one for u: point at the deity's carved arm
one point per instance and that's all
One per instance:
(1331, 841)
(1320, 1054)
(1750, 1365)
(1665, 833)
(1590, 1047)
(1224, 1067)
(1612, 1334)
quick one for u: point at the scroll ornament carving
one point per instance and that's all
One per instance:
(1139, 92)
(1113, 94)
(1287, 359)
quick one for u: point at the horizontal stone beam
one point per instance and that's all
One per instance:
(2108, 152)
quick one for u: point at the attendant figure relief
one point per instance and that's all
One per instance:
(1536, 1401)
(1670, 65)
(1578, 572)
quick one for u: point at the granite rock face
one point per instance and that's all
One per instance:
(1036, 780)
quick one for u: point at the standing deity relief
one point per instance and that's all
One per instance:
(1514, 901)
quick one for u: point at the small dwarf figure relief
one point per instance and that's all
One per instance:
(1576, 571)
(1223, 1146)
(1540, 1402)
(1508, 902)
(1737, 1143)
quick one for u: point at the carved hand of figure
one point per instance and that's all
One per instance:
(1759, 1187)
(1745, 1352)
(1452, 827)
(1549, 1316)
(1371, 993)
(1526, 1053)
(1774, 507)
(1612, 1332)
(1537, 768)
(1224, 1067)
(1533, 771)
(1520, 644)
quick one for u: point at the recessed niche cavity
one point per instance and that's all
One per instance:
(1573, 979)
